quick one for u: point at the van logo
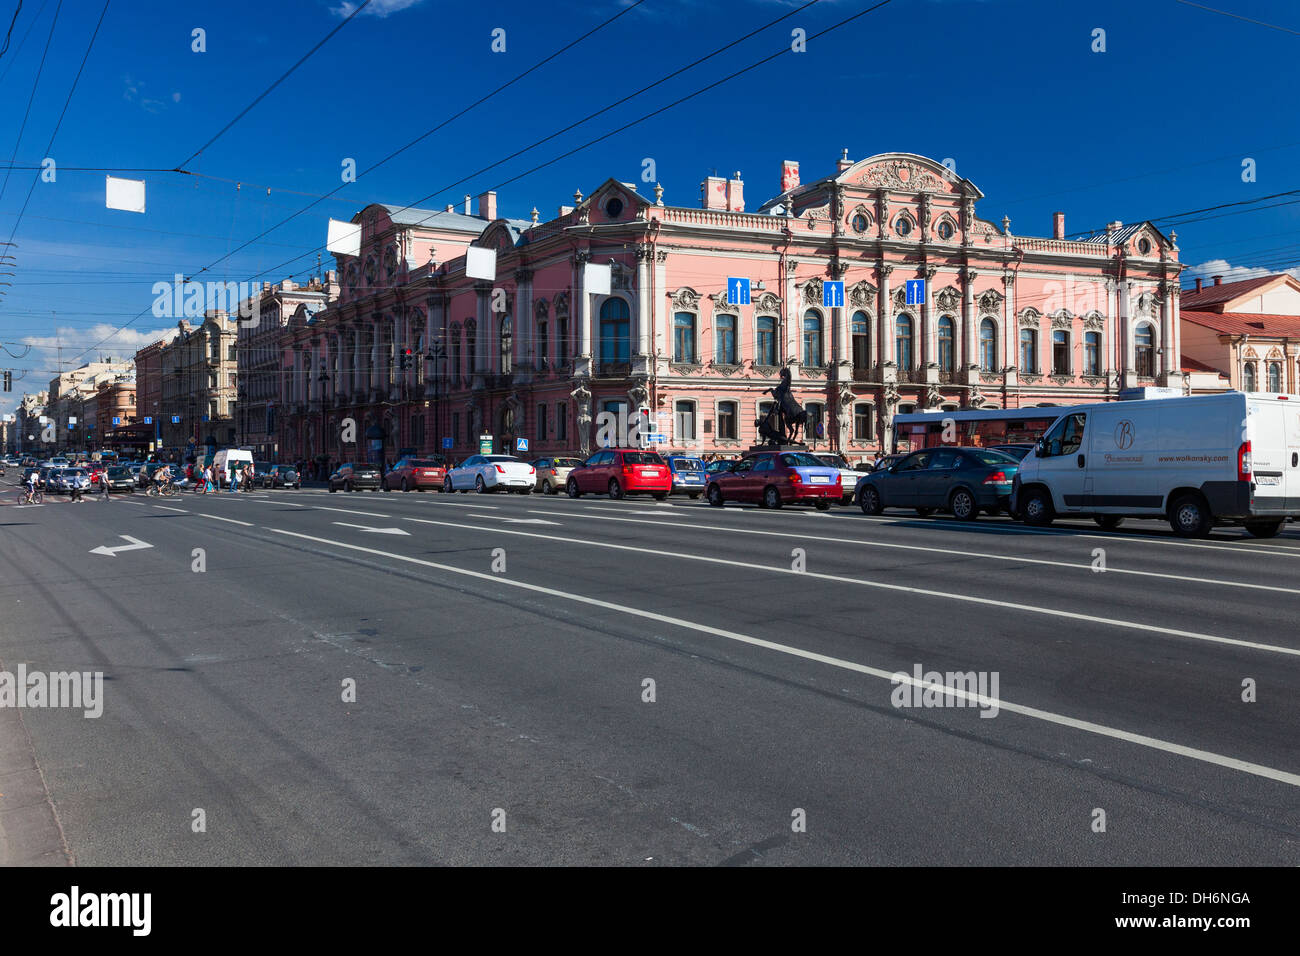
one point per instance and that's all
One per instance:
(1124, 434)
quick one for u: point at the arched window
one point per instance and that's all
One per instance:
(903, 342)
(507, 345)
(1028, 350)
(724, 331)
(988, 345)
(684, 337)
(1144, 352)
(1275, 376)
(543, 342)
(471, 348)
(765, 340)
(1248, 377)
(615, 331)
(1092, 353)
(812, 338)
(1061, 352)
(945, 342)
(860, 329)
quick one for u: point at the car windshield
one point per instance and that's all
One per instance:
(833, 461)
(791, 459)
(642, 458)
(567, 463)
(688, 464)
(118, 472)
(424, 463)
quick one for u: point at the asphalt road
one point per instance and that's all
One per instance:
(500, 648)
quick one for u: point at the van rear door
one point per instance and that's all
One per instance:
(1291, 467)
(1270, 454)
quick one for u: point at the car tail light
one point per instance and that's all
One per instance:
(796, 478)
(997, 477)
(532, 470)
(500, 469)
(627, 469)
(1243, 462)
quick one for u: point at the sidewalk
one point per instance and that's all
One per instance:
(29, 830)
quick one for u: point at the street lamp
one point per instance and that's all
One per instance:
(323, 378)
(437, 355)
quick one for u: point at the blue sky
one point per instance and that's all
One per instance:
(1010, 89)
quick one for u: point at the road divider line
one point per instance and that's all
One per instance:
(169, 508)
(894, 677)
(201, 514)
(1086, 566)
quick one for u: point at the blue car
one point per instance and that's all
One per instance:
(963, 481)
(689, 477)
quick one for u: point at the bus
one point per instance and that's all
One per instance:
(973, 427)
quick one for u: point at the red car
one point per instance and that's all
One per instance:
(621, 471)
(776, 478)
(416, 474)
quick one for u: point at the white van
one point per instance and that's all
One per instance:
(1198, 461)
(229, 458)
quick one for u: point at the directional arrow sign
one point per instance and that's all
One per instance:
(135, 545)
(373, 530)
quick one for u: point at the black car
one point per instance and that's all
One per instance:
(964, 481)
(280, 476)
(355, 477)
(120, 479)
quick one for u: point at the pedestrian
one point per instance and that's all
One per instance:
(234, 480)
(103, 483)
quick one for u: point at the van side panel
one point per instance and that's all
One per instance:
(1122, 461)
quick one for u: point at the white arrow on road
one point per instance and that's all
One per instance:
(374, 530)
(135, 545)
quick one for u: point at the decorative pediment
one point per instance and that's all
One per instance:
(1062, 319)
(542, 309)
(902, 175)
(812, 291)
(720, 303)
(1094, 322)
(862, 294)
(1030, 319)
(990, 301)
(1274, 353)
(686, 299)
(1146, 303)
(900, 298)
(562, 305)
(767, 302)
(948, 298)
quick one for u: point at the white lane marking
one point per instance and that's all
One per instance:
(272, 501)
(246, 524)
(1067, 532)
(169, 508)
(881, 585)
(363, 527)
(135, 545)
(1110, 568)
(349, 511)
(1154, 743)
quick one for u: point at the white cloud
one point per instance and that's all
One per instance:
(377, 8)
(119, 346)
(1231, 273)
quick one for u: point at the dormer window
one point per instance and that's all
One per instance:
(614, 208)
(1144, 245)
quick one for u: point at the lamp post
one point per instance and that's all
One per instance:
(437, 355)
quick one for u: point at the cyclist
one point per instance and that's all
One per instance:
(162, 478)
(33, 482)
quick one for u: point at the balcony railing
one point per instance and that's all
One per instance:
(912, 375)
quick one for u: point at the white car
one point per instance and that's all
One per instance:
(848, 476)
(485, 473)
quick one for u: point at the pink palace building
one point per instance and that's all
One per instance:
(413, 351)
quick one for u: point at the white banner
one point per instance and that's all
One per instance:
(344, 238)
(596, 278)
(125, 194)
(481, 263)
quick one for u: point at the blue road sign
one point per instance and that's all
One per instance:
(71, 426)
(915, 292)
(116, 420)
(833, 295)
(147, 420)
(446, 443)
(737, 291)
(176, 419)
(521, 444)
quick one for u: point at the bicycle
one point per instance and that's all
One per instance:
(167, 490)
(34, 497)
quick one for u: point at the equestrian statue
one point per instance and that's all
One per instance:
(785, 416)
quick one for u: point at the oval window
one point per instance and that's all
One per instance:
(860, 223)
(1144, 245)
(902, 227)
(945, 230)
(614, 208)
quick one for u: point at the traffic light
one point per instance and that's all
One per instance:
(9, 381)
(406, 359)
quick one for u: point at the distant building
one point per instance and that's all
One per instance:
(1248, 332)
(197, 381)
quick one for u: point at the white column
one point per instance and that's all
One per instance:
(643, 304)
(660, 305)
(1011, 340)
(886, 337)
(1169, 359)
(582, 308)
(969, 327)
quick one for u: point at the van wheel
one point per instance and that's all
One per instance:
(963, 505)
(1109, 522)
(1189, 517)
(1264, 529)
(715, 496)
(771, 497)
(871, 503)
(1036, 508)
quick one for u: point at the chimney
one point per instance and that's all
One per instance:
(714, 190)
(1058, 225)
(789, 175)
(487, 206)
(467, 212)
(1218, 280)
(1112, 228)
(451, 207)
(844, 162)
(1198, 284)
(735, 194)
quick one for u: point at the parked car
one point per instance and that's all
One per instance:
(553, 473)
(354, 477)
(621, 471)
(848, 475)
(776, 478)
(719, 465)
(485, 473)
(1017, 450)
(688, 474)
(417, 474)
(281, 476)
(260, 471)
(962, 480)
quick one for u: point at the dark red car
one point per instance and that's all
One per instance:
(416, 474)
(621, 471)
(776, 478)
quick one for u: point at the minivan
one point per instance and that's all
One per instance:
(228, 459)
(1198, 461)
